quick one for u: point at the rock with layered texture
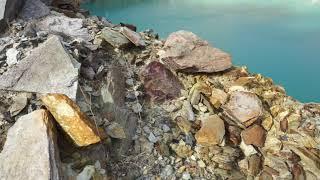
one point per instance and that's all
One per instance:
(30, 151)
(134, 37)
(74, 122)
(212, 131)
(48, 69)
(63, 25)
(160, 83)
(185, 51)
(244, 107)
(115, 38)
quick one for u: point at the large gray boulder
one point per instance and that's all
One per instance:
(8, 10)
(186, 52)
(30, 151)
(63, 25)
(48, 69)
(34, 9)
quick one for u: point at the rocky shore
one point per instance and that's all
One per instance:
(82, 98)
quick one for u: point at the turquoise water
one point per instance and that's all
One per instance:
(277, 38)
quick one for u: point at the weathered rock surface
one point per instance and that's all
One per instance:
(160, 83)
(62, 25)
(34, 9)
(115, 38)
(134, 37)
(184, 51)
(74, 122)
(48, 69)
(244, 107)
(30, 151)
(254, 135)
(212, 131)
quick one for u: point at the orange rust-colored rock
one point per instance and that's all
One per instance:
(74, 122)
(212, 131)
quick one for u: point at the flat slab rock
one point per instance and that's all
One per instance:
(186, 52)
(30, 150)
(72, 27)
(48, 69)
(244, 107)
(74, 122)
(115, 38)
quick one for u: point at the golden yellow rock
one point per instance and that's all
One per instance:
(74, 122)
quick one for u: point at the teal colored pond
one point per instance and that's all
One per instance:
(277, 38)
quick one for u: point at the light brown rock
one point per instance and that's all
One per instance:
(218, 97)
(30, 151)
(212, 131)
(254, 135)
(134, 37)
(244, 107)
(74, 122)
(185, 51)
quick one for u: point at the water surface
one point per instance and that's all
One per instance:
(277, 38)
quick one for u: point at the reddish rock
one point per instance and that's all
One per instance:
(185, 51)
(254, 135)
(160, 83)
(134, 37)
(234, 135)
(298, 172)
(244, 107)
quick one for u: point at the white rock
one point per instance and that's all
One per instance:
(86, 173)
(152, 138)
(248, 150)
(30, 151)
(12, 56)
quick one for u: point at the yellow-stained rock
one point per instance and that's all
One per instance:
(74, 122)
(212, 131)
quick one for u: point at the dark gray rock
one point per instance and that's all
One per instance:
(34, 9)
(9, 9)
(48, 69)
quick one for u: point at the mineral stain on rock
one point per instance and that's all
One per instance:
(160, 83)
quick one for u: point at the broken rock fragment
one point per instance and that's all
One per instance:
(160, 83)
(244, 107)
(134, 37)
(74, 122)
(254, 135)
(212, 131)
(185, 51)
(48, 69)
(30, 151)
(115, 38)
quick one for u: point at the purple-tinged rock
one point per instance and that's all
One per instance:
(160, 83)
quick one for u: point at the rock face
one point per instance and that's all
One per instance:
(8, 10)
(244, 107)
(254, 135)
(30, 151)
(74, 122)
(48, 69)
(34, 9)
(62, 25)
(115, 38)
(212, 131)
(160, 83)
(184, 51)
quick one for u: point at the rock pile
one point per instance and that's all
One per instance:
(82, 98)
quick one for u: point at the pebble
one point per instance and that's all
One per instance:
(165, 128)
(152, 138)
(186, 176)
(137, 108)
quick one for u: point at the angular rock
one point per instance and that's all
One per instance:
(50, 72)
(212, 131)
(116, 131)
(12, 56)
(134, 37)
(218, 97)
(254, 135)
(34, 9)
(188, 53)
(244, 107)
(160, 83)
(19, 103)
(8, 10)
(30, 151)
(115, 38)
(182, 149)
(74, 122)
(199, 87)
(63, 25)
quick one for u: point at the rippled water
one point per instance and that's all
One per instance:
(277, 38)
